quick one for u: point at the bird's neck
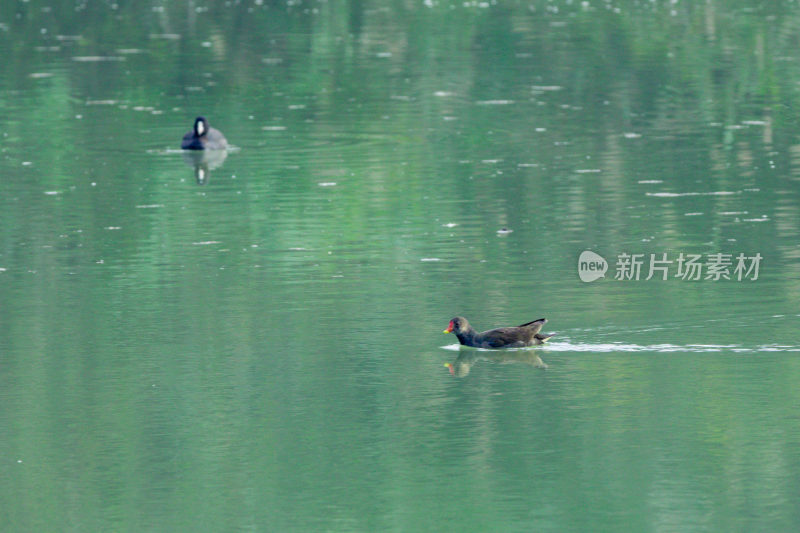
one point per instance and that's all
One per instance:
(466, 336)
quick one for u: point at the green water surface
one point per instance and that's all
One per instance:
(253, 341)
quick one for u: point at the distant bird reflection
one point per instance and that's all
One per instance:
(467, 357)
(203, 162)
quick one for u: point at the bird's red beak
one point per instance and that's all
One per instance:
(449, 328)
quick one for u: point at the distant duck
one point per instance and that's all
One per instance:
(204, 137)
(514, 337)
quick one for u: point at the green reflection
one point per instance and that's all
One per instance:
(264, 352)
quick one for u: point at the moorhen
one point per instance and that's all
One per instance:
(524, 335)
(203, 137)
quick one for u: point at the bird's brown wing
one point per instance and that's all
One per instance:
(501, 337)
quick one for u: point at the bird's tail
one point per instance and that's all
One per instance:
(543, 338)
(535, 326)
(539, 322)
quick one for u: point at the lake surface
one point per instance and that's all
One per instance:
(253, 341)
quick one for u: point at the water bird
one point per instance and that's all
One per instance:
(513, 337)
(204, 137)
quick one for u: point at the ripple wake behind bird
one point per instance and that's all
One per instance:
(608, 347)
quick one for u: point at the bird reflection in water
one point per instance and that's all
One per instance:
(467, 357)
(203, 162)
